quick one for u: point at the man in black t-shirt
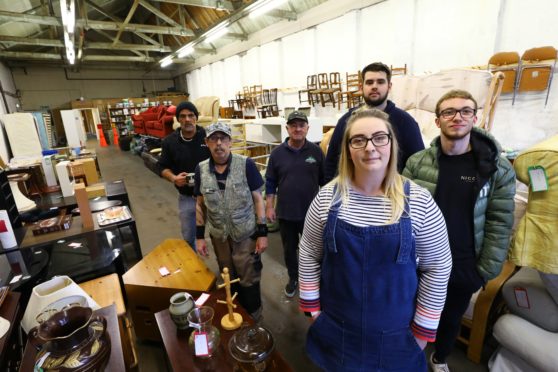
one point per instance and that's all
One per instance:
(474, 187)
(182, 151)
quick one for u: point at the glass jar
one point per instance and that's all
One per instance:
(251, 347)
(201, 319)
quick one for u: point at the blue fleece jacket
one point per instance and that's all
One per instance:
(406, 130)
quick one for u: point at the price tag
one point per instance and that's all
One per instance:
(40, 362)
(201, 300)
(537, 178)
(200, 343)
(521, 297)
(15, 279)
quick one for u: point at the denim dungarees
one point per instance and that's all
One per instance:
(368, 292)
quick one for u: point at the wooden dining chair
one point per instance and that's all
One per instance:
(350, 95)
(398, 70)
(311, 84)
(323, 83)
(328, 95)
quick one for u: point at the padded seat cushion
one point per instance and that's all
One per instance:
(542, 311)
(532, 344)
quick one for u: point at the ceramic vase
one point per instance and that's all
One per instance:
(180, 305)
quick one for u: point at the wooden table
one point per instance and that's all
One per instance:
(180, 355)
(148, 291)
(107, 291)
(116, 360)
(9, 349)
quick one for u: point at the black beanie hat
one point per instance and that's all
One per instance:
(186, 106)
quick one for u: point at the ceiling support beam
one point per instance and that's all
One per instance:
(100, 58)
(126, 46)
(30, 55)
(134, 27)
(28, 41)
(126, 21)
(212, 4)
(30, 18)
(159, 13)
(111, 38)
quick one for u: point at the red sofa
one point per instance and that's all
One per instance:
(156, 121)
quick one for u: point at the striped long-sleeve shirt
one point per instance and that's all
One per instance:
(432, 249)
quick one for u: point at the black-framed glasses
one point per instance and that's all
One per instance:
(378, 140)
(465, 112)
(215, 139)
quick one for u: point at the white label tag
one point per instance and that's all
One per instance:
(201, 300)
(164, 271)
(15, 279)
(537, 177)
(521, 297)
(200, 342)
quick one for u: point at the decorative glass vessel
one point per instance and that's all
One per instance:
(201, 319)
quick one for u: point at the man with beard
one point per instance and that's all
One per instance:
(229, 198)
(182, 150)
(474, 187)
(376, 84)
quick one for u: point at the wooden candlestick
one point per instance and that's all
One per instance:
(231, 320)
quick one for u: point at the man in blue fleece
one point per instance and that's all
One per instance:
(376, 84)
(295, 173)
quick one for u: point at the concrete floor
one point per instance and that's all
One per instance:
(154, 204)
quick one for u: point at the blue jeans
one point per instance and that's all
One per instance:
(187, 216)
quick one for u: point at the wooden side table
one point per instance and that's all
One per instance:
(181, 357)
(106, 291)
(116, 360)
(10, 350)
(148, 291)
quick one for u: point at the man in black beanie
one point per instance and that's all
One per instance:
(182, 150)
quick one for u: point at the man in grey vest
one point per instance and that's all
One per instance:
(229, 198)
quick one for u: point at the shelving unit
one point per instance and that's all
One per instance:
(118, 116)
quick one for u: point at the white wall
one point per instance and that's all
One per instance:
(427, 35)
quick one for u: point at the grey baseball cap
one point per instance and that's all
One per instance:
(218, 127)
(297, 115)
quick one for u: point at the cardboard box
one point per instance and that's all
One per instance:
(90, 170)
(95, 190)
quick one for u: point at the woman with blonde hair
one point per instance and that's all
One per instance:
(374, 259)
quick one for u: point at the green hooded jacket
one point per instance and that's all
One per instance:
(494, 206)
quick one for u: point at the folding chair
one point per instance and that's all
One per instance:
(536, 70)
(508, 64)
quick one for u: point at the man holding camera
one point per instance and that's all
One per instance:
(182, 151)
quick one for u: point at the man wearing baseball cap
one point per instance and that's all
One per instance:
(228, 190)
(295, 172)
(182, 150)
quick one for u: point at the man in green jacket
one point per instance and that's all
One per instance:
(474, 187)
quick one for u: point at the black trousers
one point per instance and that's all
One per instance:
(290, 236)
(464, 282)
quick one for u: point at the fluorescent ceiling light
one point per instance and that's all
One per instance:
(187, 50)
(165, 62)
(68, 13)
(265, 6)
(216, 35)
